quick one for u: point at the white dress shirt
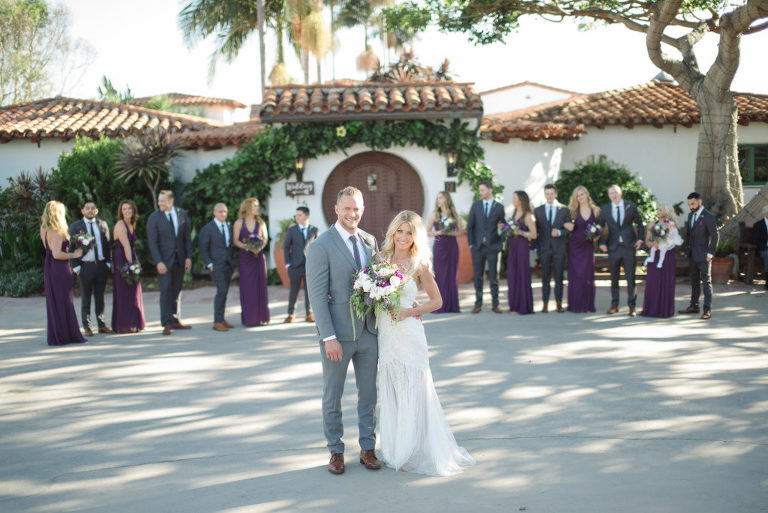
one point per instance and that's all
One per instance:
(97, 249)
(175, 221)
(221, 225)
(345, 237)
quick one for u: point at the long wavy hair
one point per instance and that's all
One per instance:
(573, 204)
(525, 204)
(134, 218)
(448, 210)
(668, 212)
(54, 217)
(420, 252)
(246, 207)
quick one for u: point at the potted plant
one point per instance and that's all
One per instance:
(466, 272)
(723, 261)
(277, 251)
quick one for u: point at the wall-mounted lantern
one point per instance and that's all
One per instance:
(299, 165)
(453, 157)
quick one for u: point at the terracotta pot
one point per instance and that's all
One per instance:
(466, 274)
(721, 270)
(279, 256)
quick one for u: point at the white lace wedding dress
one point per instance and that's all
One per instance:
(414, 434)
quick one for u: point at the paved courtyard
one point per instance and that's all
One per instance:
(563, 413)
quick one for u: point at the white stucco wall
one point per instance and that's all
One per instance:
(192, 160)
(518, 98)
(21, 155)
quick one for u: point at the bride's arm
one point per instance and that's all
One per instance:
(430, 287)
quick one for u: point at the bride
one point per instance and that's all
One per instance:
(415, 436)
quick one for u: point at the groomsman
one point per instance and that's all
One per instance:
(93, 267)
(760, 240)
(297, 238)
(700, 241)
(551, 245)
(170, 242)
(625, 236)
(485, 215)
(218, 257)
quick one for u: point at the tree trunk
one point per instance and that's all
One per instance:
(305, 64)
(262, 64)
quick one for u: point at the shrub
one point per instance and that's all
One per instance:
(21, 205)
(22, 283)
(598, 177)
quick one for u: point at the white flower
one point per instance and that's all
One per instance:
(395, 281)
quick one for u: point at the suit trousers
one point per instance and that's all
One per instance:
(763, 253)
(701, 275)
(93, 281)
(297, 275)
(170, 293)
(551, 261)
(364, 354)
(481, 257)
(221, 278)
(618, 258)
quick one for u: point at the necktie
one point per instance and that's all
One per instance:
(487, 209)
(304, 233)
(90, 229)
(356, 251)
(551, 215)
(224, 234)
(693, 220)
(170, 218)
(618, 215)
(96, 240)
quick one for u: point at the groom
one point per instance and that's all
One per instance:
(331, 264)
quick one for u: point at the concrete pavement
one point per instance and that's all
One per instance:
(563, 413)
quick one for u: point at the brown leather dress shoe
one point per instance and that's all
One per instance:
(632, 312)
(612, 310)
(219, 326)
(477, 309)
(368, 458)
(167, 329)
(690, 309)
(560, 307)
(545, 308)
(309, 318)
(104, 329)
(706, 314)
(336, 465)
(88, 332)
(496, 309)
(180, 326)
(228, 325)
(290, 318)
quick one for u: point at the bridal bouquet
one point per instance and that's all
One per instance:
(510, 230)
(659, 230)
(445, 225)
(593, 232)
(376, 287)
(84, 241)
(131, 272)
(253, 242)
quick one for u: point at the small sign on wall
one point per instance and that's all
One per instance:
(299, 189)
(449, 186)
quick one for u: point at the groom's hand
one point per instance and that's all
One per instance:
(333, 350)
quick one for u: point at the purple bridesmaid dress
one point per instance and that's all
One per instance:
(519, 273)
(659, 300)
(254, 302)
(59, 300)
(127, 301)
(581, 268)
(446, 266)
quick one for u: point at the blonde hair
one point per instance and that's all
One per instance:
(349, 190)
(55, 217)
(668, 212)
(420, 253)
(573, 204)
(448, 208)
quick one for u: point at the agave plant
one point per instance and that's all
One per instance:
(148, 158)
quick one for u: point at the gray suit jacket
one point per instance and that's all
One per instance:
(545, 242)
(166, 246)
(482, 232)
(213, 247)
(703, 238)
(294, 246)
(630, 231)
(330, 270)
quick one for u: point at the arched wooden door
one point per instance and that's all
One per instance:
(389, 185)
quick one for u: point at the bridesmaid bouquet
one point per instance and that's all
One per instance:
(253, 242)
(84, 241)
(510, 230)
(131, 272)
(377, 287)
(659, 230)
(446, 225)
(593, 232)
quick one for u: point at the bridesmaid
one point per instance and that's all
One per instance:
(128, 304)
(581, 252)
(254, 302)
(446, 251)
(659, 300)
(518, 257)
(62, 321)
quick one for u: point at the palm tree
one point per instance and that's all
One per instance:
(147, 158)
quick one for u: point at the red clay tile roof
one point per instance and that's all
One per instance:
(371, 100)
(192, 100)
(67, 118)
(655, 103)
(232, 135)
(531, 84)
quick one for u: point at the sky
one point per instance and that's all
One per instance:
(139, 44)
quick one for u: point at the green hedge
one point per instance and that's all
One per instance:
(22, 283)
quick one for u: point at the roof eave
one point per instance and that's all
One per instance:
(370, 116)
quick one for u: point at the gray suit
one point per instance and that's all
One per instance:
(551, 249)
(214, 251)
(172, 249)
(700, 241)
(330, 270)
(485, 243)
(294, 249)
(621, 247)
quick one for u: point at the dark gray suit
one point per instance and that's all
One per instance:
(214, 251)
(700, 241)
(485, 243)
(172, 249)
(92, 275)
(294, 249)
(330, 270)
(551, 249)
(621, 246)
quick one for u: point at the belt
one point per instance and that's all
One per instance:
(92, 262)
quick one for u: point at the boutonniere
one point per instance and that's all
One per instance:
(368, 240)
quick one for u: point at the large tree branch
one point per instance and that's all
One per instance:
(659, 21)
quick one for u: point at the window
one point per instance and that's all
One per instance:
(753, 163)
